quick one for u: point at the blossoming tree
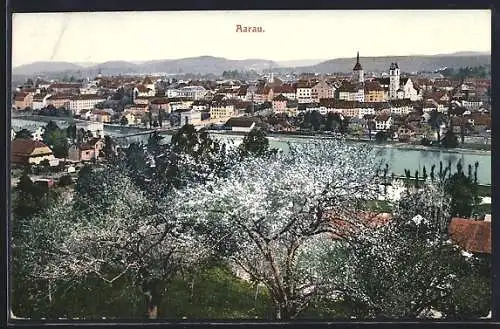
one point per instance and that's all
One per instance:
(276, 210)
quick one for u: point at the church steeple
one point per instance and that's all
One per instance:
(357, 67)
(357, 74)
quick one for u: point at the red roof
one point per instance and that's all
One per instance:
(24, 146)
(471, 235)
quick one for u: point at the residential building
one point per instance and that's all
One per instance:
(142, 90)
(322, 90)
(23, 101)
(351, 92)
(221, 111)
(84, 102)
(59, 100)
(70, 88)
(28, 151)
(279, 104)
(383, 122)
(86, 151)
(286, 90)
(304, 92)
(100, 116)
(191, 92)
(374, 92)
(39, 101)
(159, 103)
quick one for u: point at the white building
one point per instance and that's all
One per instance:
(172, 93)
(90, 89)
(192, 92)
(304, 93)
(97, 128)
(366, 111)
(39, 101)
(383, 122)
(84, 102)
(409, 90)
(190, 118)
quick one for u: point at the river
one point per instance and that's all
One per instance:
(399, 158)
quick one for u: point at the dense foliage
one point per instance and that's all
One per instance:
(199, 229)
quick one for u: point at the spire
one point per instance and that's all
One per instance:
(357, 67)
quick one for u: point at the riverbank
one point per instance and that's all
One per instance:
(397, 145)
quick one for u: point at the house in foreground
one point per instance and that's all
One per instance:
(26, 151)
(86, 151)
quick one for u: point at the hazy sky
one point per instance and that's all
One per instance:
(289, 35)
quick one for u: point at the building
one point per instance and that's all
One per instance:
(192, 92)
(100, 116)
(243, 124)
(374, 92)
(221, 111)
(84, 102)
(39, 101)
(304, 92)
(471, 235)
(29, 151)
(70, 88)
(23, 101)
(86, 151)
(279, 104)
(394, 80)
(383, 122)
(322, 90)
(142, 90)
(59, 100)
(286, 90)
(190, 117)
(96, 128)
(351, 92)
(357, 72)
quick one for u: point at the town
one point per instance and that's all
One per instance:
(442, 110)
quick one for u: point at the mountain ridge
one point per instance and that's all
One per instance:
(216, 65)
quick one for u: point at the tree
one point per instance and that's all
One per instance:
(24, 134)
(407, 267)
(119, 234)
(71, 132)
(463, 190)
(124, 121)
(450, 139)
(56, 139)
(276, 210)
(435, 122)
(381, 136)
(65, 180)
(255, 143)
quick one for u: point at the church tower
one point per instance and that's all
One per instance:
(394, 80)
(357, 72)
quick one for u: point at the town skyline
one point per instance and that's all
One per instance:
(107, 37)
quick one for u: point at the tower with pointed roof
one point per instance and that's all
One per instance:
(394, 80)
(357, 72)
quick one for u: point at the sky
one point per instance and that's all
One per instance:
(289, 35)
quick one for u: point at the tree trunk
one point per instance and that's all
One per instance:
(153, 298)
